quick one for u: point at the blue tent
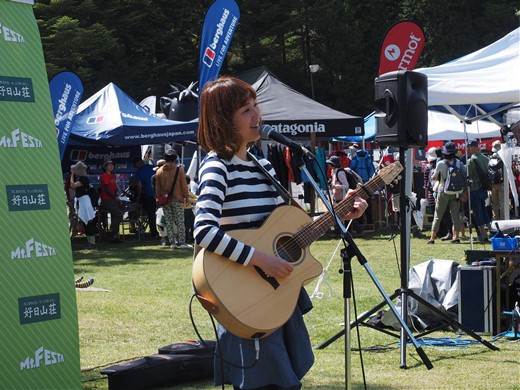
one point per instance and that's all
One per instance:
(110, 117)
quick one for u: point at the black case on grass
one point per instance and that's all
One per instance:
(178, 363)
(190, 347)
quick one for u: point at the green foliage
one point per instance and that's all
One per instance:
(144, 45)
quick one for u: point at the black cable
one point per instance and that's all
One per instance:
(216, 337)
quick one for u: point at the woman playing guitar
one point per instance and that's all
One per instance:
(235, 194)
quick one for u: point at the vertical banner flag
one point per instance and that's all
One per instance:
(219, 26)
(39, 337)
(66, 92)
(401, 47)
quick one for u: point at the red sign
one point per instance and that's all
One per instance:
(483, 145)
(401, 48)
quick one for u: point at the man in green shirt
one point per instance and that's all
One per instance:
(478, 194)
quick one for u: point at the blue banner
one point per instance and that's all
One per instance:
(219, 26)
(66, 91)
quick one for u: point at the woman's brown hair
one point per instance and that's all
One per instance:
(219, 101)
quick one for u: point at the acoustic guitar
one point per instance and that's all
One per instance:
(244, 299)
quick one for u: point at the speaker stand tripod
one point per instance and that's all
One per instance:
(350, 251)
(404, 292)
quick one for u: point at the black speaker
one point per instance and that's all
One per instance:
(401, 100)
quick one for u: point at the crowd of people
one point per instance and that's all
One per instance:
(454, 187)
(171, 221)
(462, 185)
(236, 190)
(457, 189)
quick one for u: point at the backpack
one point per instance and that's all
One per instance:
(352, 177)
(454, 184)
(485, 177)
(496, 170)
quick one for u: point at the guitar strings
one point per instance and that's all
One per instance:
(306, 235)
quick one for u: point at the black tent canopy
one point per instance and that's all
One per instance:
(294, 114)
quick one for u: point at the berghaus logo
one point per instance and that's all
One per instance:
(95, 119)
(209, 56)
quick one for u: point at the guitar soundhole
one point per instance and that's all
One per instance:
(287, 249)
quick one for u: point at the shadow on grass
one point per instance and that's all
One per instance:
(94, 380)
(139, 252)
(466, 354)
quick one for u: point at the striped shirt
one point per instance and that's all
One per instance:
(233, 195)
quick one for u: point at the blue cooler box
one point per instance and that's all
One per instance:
(504, 243)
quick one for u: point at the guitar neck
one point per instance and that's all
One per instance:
(317, 228)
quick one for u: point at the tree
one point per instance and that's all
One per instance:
(143, 46)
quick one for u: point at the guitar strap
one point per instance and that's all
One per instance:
(282, 191)
(287, 197)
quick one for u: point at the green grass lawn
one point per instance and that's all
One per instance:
(148, 290)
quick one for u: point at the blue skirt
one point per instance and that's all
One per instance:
(285, 355)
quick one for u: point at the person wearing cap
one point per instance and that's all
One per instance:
(478, 194)
(343, 180)
(80, 182)
(447, 200)
(496, 196)
(110, 200)
(146, 193)
(172, 174)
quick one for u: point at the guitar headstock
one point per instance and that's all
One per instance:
(390, 172)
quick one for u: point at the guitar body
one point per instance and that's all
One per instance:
(242, 298)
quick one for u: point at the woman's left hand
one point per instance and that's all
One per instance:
(359, 207)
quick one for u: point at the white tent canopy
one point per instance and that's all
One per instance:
(478, 85)
(487, 76)
(443, 126)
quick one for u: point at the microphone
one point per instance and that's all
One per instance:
(267, 131)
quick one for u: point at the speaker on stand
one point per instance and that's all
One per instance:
(401, 100)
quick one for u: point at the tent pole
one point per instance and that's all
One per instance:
(470, 223)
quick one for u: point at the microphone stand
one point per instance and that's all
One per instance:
(347, 253)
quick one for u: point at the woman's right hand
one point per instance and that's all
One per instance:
(272, 266)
